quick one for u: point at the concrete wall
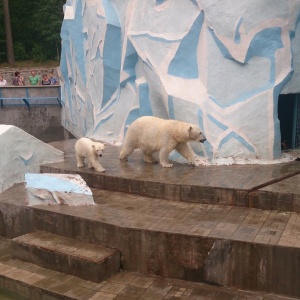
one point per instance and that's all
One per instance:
(43, 122)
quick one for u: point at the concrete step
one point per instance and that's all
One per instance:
(236, 247)
(37, 283)
(222, 245)
(85, 260)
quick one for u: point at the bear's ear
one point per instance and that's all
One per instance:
(93, 146)
(190, 129)
(104, 144)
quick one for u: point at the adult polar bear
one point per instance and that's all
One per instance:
(152, 134)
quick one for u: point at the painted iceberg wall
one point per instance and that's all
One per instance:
(218, 64)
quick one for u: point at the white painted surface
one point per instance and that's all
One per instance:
(22, 153)
(218, 64)
(57, 189)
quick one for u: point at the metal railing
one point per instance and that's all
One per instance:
(30, 96)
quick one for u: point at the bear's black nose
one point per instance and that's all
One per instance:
(100, 155)
(202, 141)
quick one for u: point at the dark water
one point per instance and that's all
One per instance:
(8, 295)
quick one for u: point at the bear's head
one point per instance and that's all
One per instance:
(195, 134)
(98, 148)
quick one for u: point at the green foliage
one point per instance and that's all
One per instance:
(2, 53)
(2, 35)
(38, 53)
(20, 51)
(35, 28)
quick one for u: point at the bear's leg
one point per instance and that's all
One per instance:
(163, 157)
(186, 151)
(96, 165)
(80, 161)
(148, 157)
(126, 151)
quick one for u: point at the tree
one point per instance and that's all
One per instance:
(8, 33)
(52, 11)
(2, 36)
(35, 26)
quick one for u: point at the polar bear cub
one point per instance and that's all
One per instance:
(152, 134)
(86, 148)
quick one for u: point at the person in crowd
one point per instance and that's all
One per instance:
(34, 79)
(46, 80)
(18, 80)
(3, 82)
(52, 79)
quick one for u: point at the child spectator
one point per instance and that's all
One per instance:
(52, 79)
(45, 80)
(18, 80)
(3, 82)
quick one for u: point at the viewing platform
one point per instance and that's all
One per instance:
(30, 95)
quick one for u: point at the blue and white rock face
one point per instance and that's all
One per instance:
(57, 189)
(22, 153)
(218, 64)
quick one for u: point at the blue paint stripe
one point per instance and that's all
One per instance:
(265, 43)
(154, 38)
(200, 118)
(218, 123)
(221, 46)
(237, 36)
(132, 116)
(208, 147)
(171, 107)
(243, 97)
(160, 2)
(144, 100)
(111, 53)
(103, 121)
(75, 28)
(238, 138)
(184, 64)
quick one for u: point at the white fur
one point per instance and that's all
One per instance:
(86, 148)
(151, 134)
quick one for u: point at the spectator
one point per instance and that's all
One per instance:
(34, 79)
(45, 80)
(18, 80)
(3, 82)
(52, 79)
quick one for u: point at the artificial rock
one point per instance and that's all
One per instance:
(57, 189)
(22, 153)
(218, 64)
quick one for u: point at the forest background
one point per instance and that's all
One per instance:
(34, 30)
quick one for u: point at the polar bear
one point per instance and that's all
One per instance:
(86, 148)
(151, 134)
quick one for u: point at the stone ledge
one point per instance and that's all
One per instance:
(216, 258)
(84, 260)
